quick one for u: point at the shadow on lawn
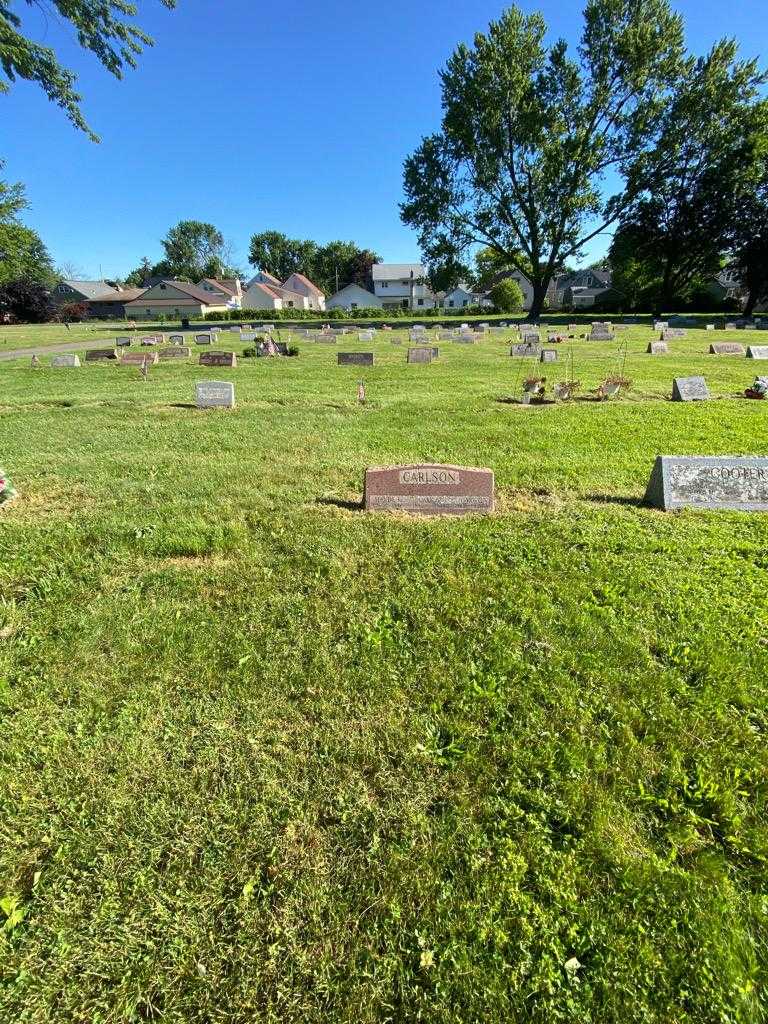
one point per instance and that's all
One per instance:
(350, 506)
(616, 499)
(183, 405)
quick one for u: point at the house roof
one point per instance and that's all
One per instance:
(119, 295)
(594, 292)
(355, 285)
(274, 293)
(271, 279)
(192, 290)
(227, 285)
(88, 288)
(305, 281)
(395, 271)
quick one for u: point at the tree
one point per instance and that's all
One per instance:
(750, 243)
(139, 277)
(193, 250)
(26, 302)
(708, 155)
(101, 27)
(507, 296)
(489, 264)
(444, 277)
(276, 254)
(528, 135)
(22, 252)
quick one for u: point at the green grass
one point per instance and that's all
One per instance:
(266, 757)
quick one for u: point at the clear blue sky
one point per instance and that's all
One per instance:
(294, 117)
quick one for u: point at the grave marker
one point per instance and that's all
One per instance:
(429, 489)
(123, 342)
(671, 333)
(139, 358)
(203, 339)
(717, 482)
(600, 332)
(548, 355)
(215, 394)
(177, 352)
(67, 361)
(218, 359)
(419, 355)
(726, 348)
(657, 348)
(176, 339)
(689, 389)
(355, 359)
(757, 352)
(522, 350)
(96, 355)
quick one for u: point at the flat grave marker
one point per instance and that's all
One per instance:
(732, 482)
(726, 348)
(215, 394)
(354, 358)
(67, 361)
(690, 389)
(429, 489)
(218, 359)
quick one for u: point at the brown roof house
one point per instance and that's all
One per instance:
(265, 292)
(177, 299)
(111, 304)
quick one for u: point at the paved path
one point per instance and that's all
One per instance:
(42, 350)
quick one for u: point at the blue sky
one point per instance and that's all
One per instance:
(294, 117)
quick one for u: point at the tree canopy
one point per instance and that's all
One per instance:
(102, 26)
(22, 252)
(529, 133)
(276, 254)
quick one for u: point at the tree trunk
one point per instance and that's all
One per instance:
(749, 309)
(539, 295)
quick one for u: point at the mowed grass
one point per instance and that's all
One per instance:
(268, 758)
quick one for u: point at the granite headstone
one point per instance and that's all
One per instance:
(715, 482)
(429, 489)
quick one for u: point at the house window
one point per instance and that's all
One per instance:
(290, 305)
(465, 303)
(162, 287)
(384, 284)
(421, 302)
(353, 305)
(451, 303)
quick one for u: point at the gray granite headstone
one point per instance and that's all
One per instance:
(524, 350)
(531, 337)
(123, 342)
(757, 352)
(419, 355)
(215, 394)
(689, 389)
(657, 348)
(355, 358)
(726, 348)
(548, 355)
(176, 339)
(96, 355)
(176, 352)
(69, 360)
(600, 332)
(717, 482)
(203, 339)
(670, 333)
(429, 489)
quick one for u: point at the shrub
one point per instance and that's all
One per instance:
(507, 296)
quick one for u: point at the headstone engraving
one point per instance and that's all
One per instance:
(757, 352)
(215, 394)
(531, 338)
(355, 358)
(150, 339)
(96, 355)
(218, 359)
(67, 361)
(123, 342)
(689, 389)
(523, 350)
(176, 339)
(177, 352)
(548, 355)
(139, 358)
(726, 348)
(203, 339)
(600, 332)
(716, 482)
(657, 348)
(670, 333)
(429, 489)
(419, 355)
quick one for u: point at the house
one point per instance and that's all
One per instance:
(581, 288)
(298, 284)
(462, 296)
(521, 280)
(177, 299)
(402, 286)
(79, 291)
(111, 305)
(265, 292)
(353, 296)
(227, 290)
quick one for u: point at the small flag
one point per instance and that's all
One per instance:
(361, 392)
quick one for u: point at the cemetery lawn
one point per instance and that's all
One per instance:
(268, 758)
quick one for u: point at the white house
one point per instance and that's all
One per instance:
(300, 285)
(352, 296)
(228, 290)
(258, 295)
(402, 286)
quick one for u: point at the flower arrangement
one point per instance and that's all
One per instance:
(565, 389)
(759, 389)
(535, 386)
(7, 490)
(612, 385)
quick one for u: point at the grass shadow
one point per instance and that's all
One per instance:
(182, 405)
(617, 499)
(349, 506)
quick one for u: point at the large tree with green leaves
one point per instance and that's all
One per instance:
(529, 133)
(707, 160)
(23, 256)
(102, 26)
(193, 250)
(276, 254)
(324, 265)
(749, 242)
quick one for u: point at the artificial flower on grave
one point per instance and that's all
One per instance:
(7, 490)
